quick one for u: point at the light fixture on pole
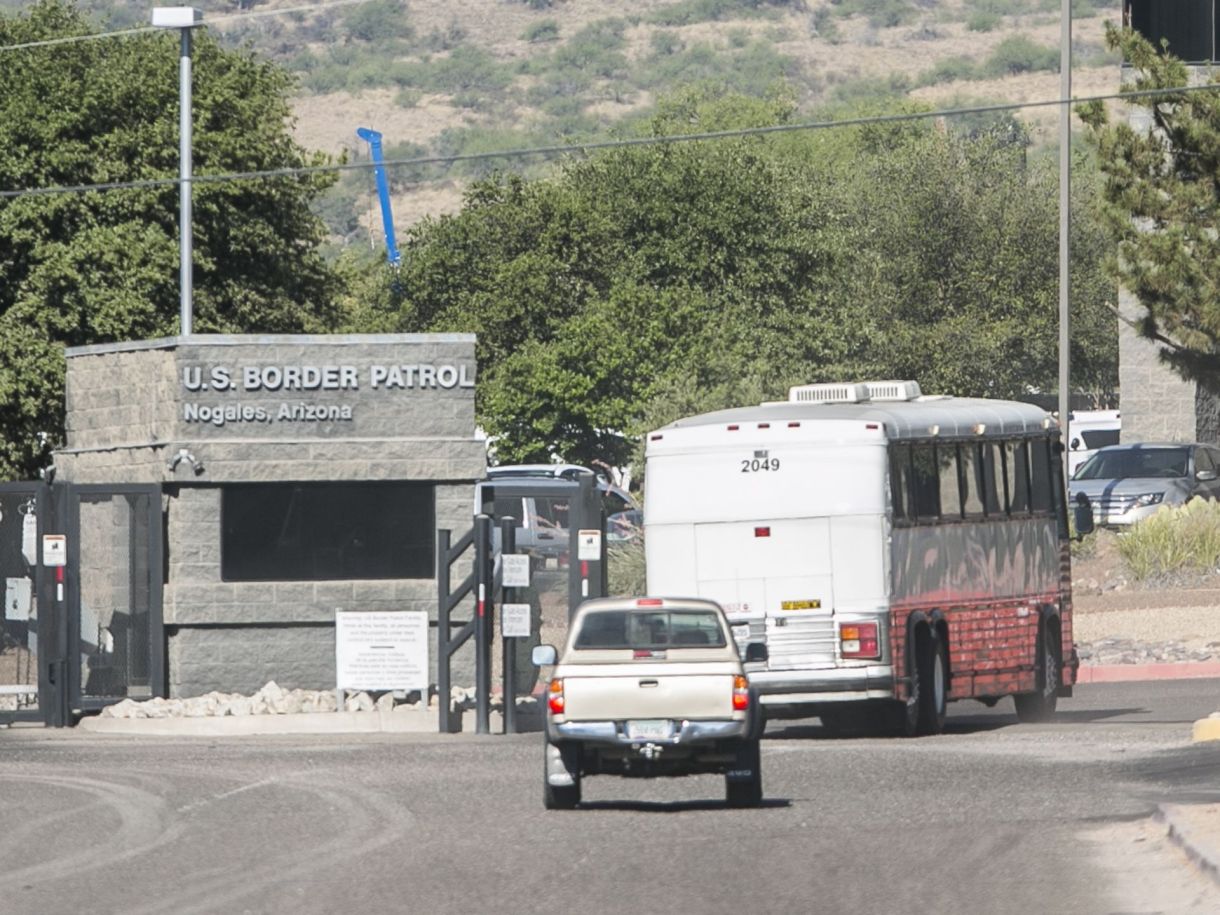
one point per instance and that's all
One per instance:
(183, 18)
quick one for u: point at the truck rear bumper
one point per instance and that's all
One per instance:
(835, 684)
(613, 732)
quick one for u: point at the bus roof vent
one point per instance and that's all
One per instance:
(828, 393)
(892, 390)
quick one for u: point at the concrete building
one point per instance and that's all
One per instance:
(297, 475)
(1157, 404)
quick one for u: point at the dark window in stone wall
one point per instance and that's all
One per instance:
(327, 531)
(1188, 25)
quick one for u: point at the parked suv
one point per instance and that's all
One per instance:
(1127, 483)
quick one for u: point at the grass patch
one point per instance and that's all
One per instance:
(1174, 540)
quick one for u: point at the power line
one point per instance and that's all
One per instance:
(547, 151)
(229, 17)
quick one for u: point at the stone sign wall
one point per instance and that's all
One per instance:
(198, 414)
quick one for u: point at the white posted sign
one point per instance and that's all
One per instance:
(589, 545)
(381, 650)
(516, 570)
(515, 621)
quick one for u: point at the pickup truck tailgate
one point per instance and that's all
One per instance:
(647, 694)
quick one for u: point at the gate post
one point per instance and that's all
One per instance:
(447, 643)
(483, 622)
(508, 544)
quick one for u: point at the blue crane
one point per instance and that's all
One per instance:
(373, 138)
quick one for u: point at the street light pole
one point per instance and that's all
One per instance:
(1065, 221)
(183, 18)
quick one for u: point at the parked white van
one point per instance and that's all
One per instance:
(1088, 431)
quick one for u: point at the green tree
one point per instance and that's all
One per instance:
(645, 282)
(1165, 206)
(100, 267)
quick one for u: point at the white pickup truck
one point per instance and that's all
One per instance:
(649, 687)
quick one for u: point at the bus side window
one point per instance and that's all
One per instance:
(993, 497)
(969, 458)
(925, 483)
(950, 483)
(1057, 491)
(900, 475)
(1040, 476)
(1016, 477)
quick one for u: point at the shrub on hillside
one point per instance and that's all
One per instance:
(948, 70)
(1019, 54)
(688, 12)
(881, 14)
(1176, 539)
(543, 30)
(983, 21)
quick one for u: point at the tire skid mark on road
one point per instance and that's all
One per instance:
(369, 821)
(143, 827)
(224, 795)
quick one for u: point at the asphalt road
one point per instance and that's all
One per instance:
(991, 817)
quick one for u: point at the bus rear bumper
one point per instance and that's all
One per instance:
(836, 684)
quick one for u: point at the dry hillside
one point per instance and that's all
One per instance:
(439, 77)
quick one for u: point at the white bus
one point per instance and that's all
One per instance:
(894, 551)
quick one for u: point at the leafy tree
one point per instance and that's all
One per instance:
(643, 282)
(1165, 206)
(102, 266)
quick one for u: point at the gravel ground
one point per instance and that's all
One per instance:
(1194, 627)
(1148, 634)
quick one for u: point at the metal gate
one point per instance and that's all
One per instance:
(563, 574)
(81, 569)
(115, 571)
(28, 642)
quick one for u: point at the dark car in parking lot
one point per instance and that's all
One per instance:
(1128, 483)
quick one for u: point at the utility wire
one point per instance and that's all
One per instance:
(546, 151)
(229, 17)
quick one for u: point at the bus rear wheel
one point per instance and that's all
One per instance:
(923, 712)
(1040, 705)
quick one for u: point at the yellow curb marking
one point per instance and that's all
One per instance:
(1206, 729)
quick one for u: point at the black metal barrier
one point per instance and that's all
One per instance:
(587, 578)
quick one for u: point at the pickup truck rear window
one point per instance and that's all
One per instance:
(650, 629)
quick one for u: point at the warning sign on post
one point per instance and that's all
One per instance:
(381, 650)
(515, 621)
(516, 570)
(54, 550)
(589, 545)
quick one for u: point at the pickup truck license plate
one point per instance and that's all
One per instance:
(650, 729)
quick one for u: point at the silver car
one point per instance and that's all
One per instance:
(1127, 483)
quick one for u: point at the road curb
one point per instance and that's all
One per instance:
(1206, 729)
(1123, 673)
(248, 725)
(1199, 848)
(375, 722)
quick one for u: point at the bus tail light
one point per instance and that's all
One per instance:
(741, 694)
(555, 698)
(859, 640)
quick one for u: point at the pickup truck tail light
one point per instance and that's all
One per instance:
(555, 697)
(859, 640)
(741, 694)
